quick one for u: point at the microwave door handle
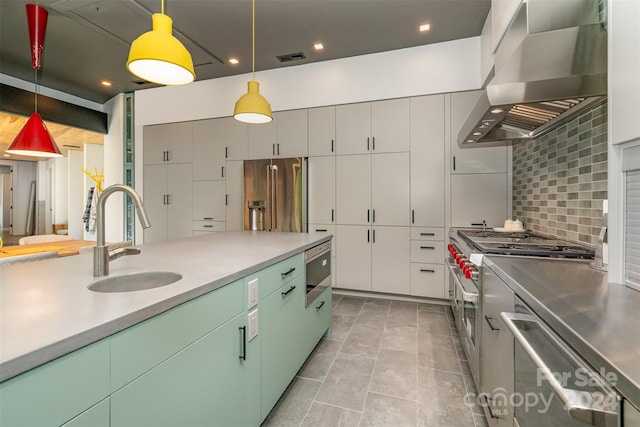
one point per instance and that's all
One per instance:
(596, 413)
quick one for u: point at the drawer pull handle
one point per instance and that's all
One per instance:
(285, 293)
(427, 247)
(427, 234)
(207, 226)
(243, 355)
(288, 272)
(319, 306)
(489, 319)
(426, 270)
(207, 218)
(321, 230)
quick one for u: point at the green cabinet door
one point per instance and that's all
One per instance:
(96, 416)
(201, 385)
(318, 320)
(282, 328)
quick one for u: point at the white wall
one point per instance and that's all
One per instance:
(23, 174)
(113, 170)
(60, 182)
(93, 159)
(76, 196)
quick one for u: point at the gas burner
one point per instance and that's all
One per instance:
(494, 234)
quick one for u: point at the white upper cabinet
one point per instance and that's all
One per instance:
(353, 128)
(624, 70)
(472, 159)
(322, 189)
(390, 126)
(390, 189)
(262, 139)
(237, 139)
(291, 133)
(373, 127)
(427, 161)
(322, 131)
(167, 143)
(234, 198)
(209, 148)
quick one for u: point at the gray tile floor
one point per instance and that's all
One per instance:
(386, 363)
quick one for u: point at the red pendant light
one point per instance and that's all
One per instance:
(34, 139)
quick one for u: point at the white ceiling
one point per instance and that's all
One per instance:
(88, 40)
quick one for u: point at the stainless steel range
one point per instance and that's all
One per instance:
(466, 250)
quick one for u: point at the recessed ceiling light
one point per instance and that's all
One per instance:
(234, 61)
(424, 27)
(497, 110)
(318, 46)
(105, 83)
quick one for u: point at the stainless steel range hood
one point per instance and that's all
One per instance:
(551, 64)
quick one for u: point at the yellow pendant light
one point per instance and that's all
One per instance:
(253, 107)
(158, 57)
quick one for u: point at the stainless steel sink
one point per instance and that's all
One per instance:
(135, 281)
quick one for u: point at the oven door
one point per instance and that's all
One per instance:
(318, 270)
(466, 308)
(553, 385)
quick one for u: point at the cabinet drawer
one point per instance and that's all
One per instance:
(143, 346)
(281, 273)
(209, 226)
(55, 392)
(427, 280)
(318, 319)
(427, 233)
(427, 252)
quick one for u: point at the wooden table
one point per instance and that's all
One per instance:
(64, 248)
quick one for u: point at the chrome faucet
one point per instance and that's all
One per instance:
(104, 253)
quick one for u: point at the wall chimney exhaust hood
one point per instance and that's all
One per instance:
(551, 64)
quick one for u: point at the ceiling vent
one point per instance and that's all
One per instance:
(298, 56)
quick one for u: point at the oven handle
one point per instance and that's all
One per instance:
(578, 404)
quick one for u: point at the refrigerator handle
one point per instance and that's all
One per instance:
(274, 197)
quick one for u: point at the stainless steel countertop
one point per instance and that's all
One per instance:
(47, 311)
(598, 319)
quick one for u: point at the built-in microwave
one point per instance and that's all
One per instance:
(318, 270)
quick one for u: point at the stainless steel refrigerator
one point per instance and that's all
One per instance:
(275, 193)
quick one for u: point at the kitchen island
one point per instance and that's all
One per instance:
(47, 314)
(597, 319)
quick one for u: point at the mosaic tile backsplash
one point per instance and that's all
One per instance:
(560, 179)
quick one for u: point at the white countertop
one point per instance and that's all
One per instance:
(47, 311)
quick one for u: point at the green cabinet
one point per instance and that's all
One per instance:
(317, 320)
(96, 416)
(281, 314)
(56, 392)
(199, 386)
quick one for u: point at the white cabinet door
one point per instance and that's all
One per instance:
(390, 260)
(475, 159)
(322, 189)
(354, 257)
(353, 128)
(427, 161)
(292, 133)
(237, 139)
(209, 200)
(209, 146)
(390, 189)
(427, 280)
(353, 192)
(479, 197)
(155, 202)
(234, 195)
(390, 126)
(322, 131)
(624, 69)
(179, 190)
(168, 143)
(262, 140)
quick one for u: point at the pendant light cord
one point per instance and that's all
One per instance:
(253, 40)
(36, 91)
(162, 8)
